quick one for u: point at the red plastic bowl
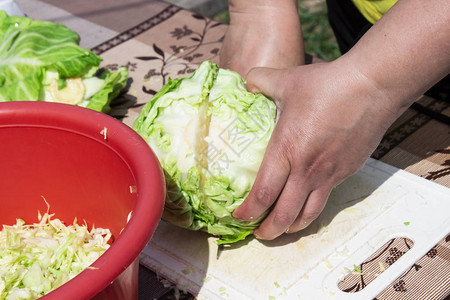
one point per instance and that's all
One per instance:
(62, 153)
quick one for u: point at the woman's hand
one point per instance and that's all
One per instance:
(330, 119)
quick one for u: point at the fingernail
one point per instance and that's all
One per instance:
(255, 90)
(304, 224)
(237, 218)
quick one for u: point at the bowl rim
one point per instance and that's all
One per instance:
(143, 165)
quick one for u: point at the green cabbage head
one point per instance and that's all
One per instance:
(210, 135)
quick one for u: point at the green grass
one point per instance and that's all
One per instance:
(317, 33)
(223, 17)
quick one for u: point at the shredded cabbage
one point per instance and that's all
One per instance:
(37, 258)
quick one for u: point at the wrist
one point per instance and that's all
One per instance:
(373, 96)
(260, 5)
(269, 10)
(406, 52)
(266, 35)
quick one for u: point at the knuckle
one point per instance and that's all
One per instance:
(283, 218)
(320, 165)
(264, 196)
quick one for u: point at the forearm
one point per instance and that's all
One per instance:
(262, 33)
(263, 9)
(406, 52)
(278, 17)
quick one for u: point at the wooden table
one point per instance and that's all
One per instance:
(155, 41)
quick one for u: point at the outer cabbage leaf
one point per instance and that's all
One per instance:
(113, 85)
(210, 135)
(31, 48)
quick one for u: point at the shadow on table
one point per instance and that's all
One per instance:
(341, 201)
(123, 102)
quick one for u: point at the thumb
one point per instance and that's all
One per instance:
(264, 80)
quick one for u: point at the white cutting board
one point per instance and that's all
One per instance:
(362, 214)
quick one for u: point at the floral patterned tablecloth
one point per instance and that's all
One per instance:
(155, 41)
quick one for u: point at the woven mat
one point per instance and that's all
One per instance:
(156, 41)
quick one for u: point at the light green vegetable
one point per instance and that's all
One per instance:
(210, 135)
(37, 258)
(357, 269)
(42, 61)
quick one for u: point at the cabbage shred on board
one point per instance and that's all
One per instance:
(42, 61)
(210, 135)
